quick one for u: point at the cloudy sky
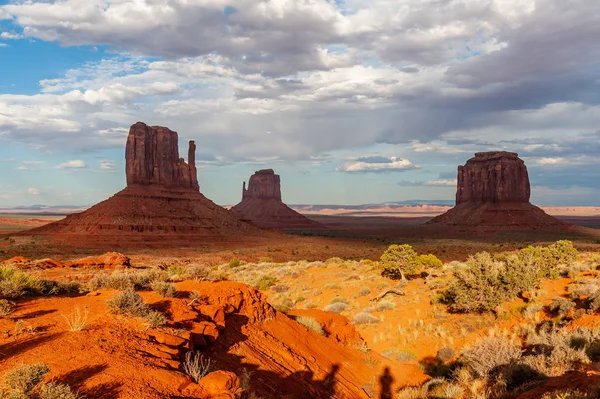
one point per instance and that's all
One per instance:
(350, 101)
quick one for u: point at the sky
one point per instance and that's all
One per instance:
(349, 101)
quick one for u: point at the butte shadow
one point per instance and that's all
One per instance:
(161, 206)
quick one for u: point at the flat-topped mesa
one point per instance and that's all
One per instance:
(152, 159)
(493, 177)
(264, 184)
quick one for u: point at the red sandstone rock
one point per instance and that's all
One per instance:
(152, 158)
(493, 177)
(261, 204)
(162, 199)
(109, 260)
(493, 195)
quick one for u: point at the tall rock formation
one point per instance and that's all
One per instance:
(160, 207)
(493, 177)
(261, 204)
(152, 158)
(492, 195)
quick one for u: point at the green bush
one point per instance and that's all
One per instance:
(263, 283)
(399, 261)
(429, 261)
(155, 319)
(235, 262)
(164, 289)
(15, 283)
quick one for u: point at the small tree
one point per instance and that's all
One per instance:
(398, 261)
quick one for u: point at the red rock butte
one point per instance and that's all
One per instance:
(492, 194)
(160, 207)
(261, 205)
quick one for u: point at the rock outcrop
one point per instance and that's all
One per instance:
(152, 158)
(162, 198)
(492, 195)
(493, 177)
(261, 204)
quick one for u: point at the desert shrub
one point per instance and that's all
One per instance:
(405, 356)
(593, 301)
(177, 271)
(488, 354)
(446, 354)
(429, 261)
(155, 319)
(128, 302)
(479, 287)
(365, 318)
(15, 283)
(26, 377)
(561, 306)
(123, 280)
(398, 261)
(337, 307)
(522, 274)
(56, 390)
(6, 307)
(235, 262)
(339, 299)
(195, 295)
(77, 320)
(196, 365)
(265, 259)
(364, 291)
(164, 289)
(280, 288)
(384, 305)
(311, 323)
(263, 283)
(567, 394)
(549, 259)
(197, 272)
(435, 388)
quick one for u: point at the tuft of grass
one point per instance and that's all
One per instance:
(164, 289)
(384, 305)
(26, 377)
(155, 319)
(364, 291)
(311, 323)
(128, 302)
(196, 365)
(338, 300)
(336, 307)
(365, 318)
(197, 272)
(77, 320)
(263, 283)
(56, 390)
(6, 307)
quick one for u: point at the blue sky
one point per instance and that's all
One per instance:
(349, 101)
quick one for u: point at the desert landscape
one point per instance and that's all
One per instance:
(419, 213)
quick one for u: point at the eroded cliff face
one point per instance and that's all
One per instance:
(493, 177)
(264, 184)
(152, 159)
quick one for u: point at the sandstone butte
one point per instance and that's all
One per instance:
(493, 192)
(162, 199)
(262, 205)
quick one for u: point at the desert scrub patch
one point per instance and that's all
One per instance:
(310, 305)
(364, 291)
(384, 305)
(364, 318)
(332, 286)
(339, 299)
(56, 390)
(489, 353)
(155, 319)
(25, 382)
(15, 283)
(280, 288)
(406, 356)
(336, 307)
(445, 354)
(234, 263)
(263, 283)
(123, 280)
(164, 289)
(561, 306)
(6, 307)
(197, 272)
(311, 323)
(129, 303)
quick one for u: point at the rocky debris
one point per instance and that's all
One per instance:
(264, 184)
(152, 158)
(492, 195)
(494, 177)
(161, 198)
(109, 260)
(261, 204)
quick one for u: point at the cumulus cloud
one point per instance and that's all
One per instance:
(75, 164)
(10, 36)
(378, 165)
(33, 191)
(107, 165)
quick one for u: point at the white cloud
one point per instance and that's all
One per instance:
(430, 183)
(10, 36)
(75, 164)
(393, 164)
(107, 165)
(3, 45)
(33, 191)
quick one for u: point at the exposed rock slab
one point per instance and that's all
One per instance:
(262, 205)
